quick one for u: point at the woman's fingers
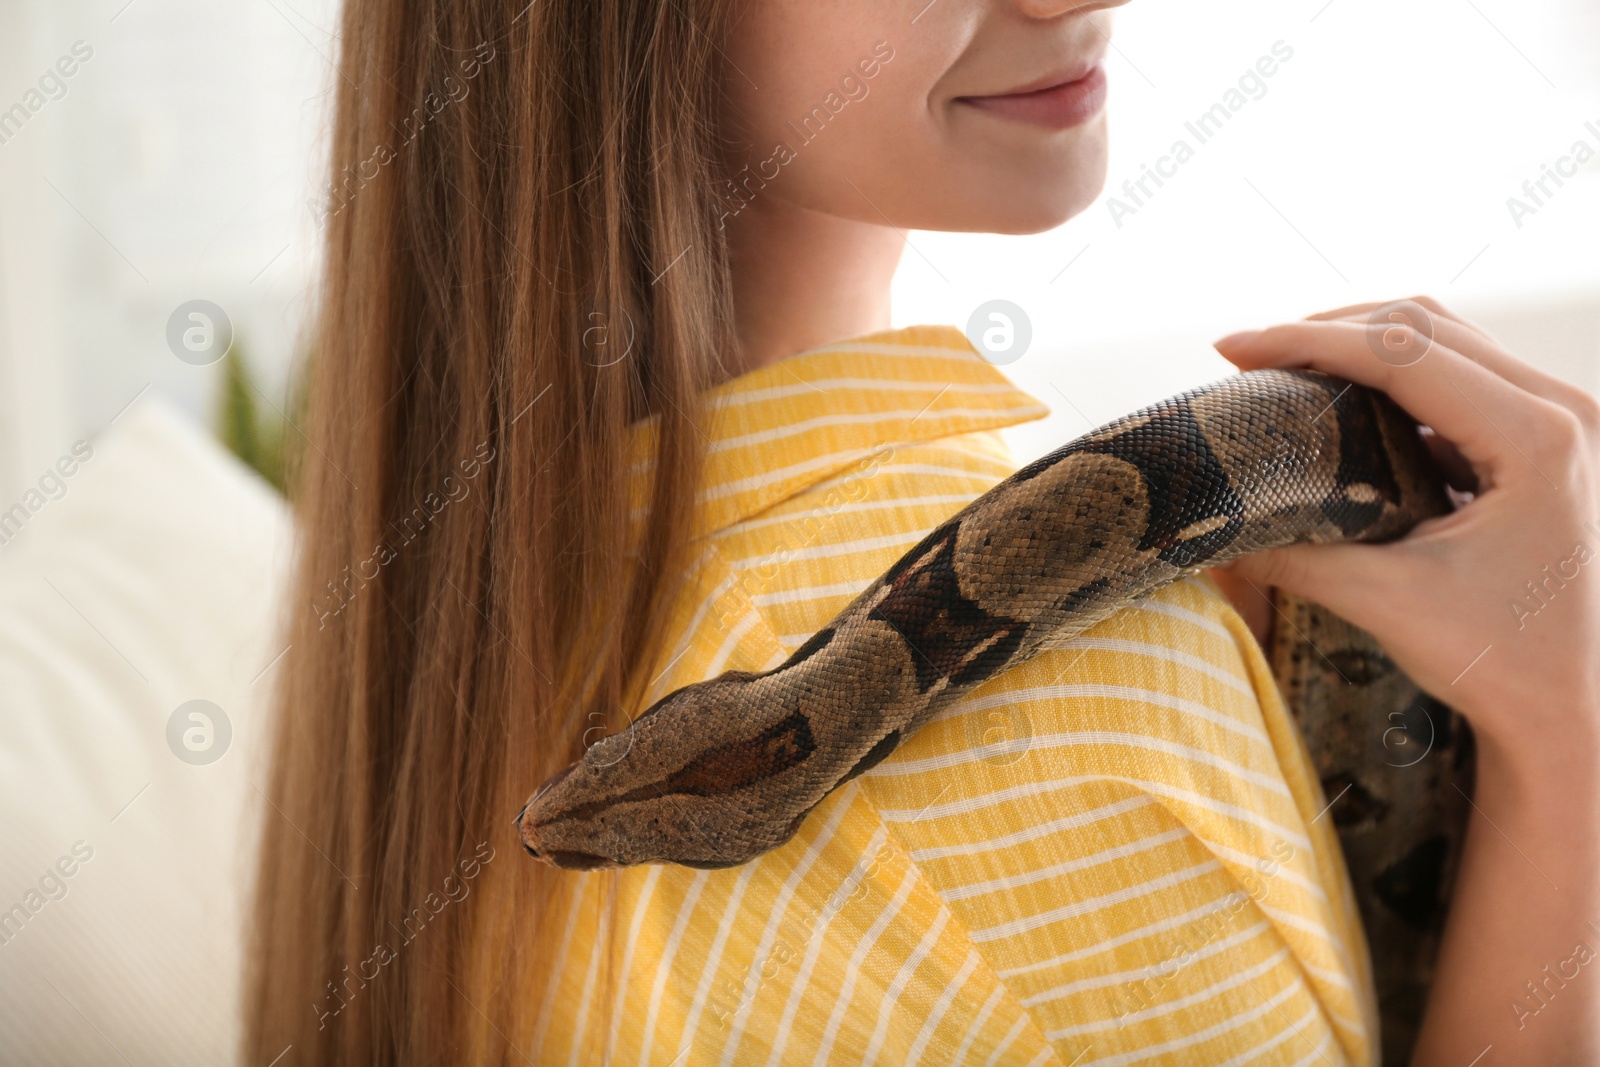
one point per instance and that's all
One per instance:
(1437, 324)
(1351, 580)
(1492, 608)
(1488, 418)
(1427, 303)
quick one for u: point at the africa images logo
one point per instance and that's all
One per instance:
(1538, 192)
(453, 890)
(52, 86)
(1252, 85)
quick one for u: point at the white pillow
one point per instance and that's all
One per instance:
(154, 580)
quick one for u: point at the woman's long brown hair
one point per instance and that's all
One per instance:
(522, 259)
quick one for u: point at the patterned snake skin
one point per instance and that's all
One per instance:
(1397, 765)
(720, 772)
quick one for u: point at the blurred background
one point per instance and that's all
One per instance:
(176, 164)
(159, 152)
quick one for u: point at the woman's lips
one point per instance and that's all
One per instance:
(1058, 107)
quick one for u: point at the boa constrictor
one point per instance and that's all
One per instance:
(720, 772)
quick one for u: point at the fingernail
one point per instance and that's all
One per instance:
(1236, 339)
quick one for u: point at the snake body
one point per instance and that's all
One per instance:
(1397, 767)
(717, 773)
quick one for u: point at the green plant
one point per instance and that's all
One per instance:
(250, 424)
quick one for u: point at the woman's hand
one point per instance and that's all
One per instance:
(1494, 609)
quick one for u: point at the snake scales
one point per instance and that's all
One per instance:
(720, 772)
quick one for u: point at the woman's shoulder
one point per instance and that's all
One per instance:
(1135, 800)
(801, 561)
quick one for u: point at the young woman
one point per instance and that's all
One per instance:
(606, 402)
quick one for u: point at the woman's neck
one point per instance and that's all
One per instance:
(803, 279)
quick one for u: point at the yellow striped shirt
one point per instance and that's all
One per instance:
(1110, 855)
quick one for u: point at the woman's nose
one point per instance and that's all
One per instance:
(1049, 9)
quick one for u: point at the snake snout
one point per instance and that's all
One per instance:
(533, 843)
(527, 832)
(547, 830)
(528, 821)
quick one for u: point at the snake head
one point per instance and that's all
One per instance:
(530, 830)
(694, 781)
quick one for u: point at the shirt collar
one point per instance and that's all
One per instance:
(791, 424)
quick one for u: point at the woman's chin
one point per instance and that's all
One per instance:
(1021, 220)
(1019, 209)
(1026, 193)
